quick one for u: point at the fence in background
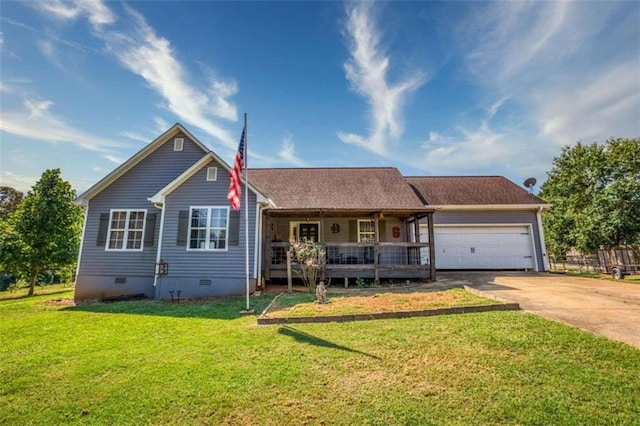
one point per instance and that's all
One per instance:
(602, 261)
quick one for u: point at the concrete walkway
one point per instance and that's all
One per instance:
(608, 308)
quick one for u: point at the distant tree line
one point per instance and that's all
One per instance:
(595, 192)
(39, 233)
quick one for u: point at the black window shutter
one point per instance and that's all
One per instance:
(382, 230)
(353, 231)
(103, 227)
(150, 229)
(234, 227)
(183, 227)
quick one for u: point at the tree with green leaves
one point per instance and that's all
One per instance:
(43, 232)
(10, 198)
(595, 193)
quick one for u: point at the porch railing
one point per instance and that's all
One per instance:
(348, 259)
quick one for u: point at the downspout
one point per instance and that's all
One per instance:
(159, 253)
(84, 230)
(543, 246)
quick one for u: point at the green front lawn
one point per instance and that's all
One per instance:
(146, 362)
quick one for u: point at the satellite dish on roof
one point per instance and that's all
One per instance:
(530, 183)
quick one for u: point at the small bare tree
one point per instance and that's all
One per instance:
(311, 262)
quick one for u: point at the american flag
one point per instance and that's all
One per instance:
(236, 172)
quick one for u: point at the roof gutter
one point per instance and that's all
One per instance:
(471, 207)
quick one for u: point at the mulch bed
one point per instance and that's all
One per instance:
(65, 301)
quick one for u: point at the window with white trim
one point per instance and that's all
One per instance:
(366, 231)
(208, 228)
(178, 144)
(126, 230)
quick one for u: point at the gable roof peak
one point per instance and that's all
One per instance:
(135, 159)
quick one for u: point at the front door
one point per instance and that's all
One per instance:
(308, 232)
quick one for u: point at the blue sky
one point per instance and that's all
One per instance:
(433, 88)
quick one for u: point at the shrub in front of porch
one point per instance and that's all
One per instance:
(310, 258)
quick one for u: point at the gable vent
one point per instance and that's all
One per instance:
(205, 282)
(212, 173)
(178, 144)
(120, 280)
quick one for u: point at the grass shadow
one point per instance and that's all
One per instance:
(227, 308)
(45, 292)
(302, 337)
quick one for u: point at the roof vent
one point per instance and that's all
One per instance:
(212, 173)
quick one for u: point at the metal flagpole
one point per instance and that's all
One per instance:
(246, 207)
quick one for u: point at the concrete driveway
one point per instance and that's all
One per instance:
(608, 308)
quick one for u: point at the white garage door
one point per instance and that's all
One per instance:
(483, 247)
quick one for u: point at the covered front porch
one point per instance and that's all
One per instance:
(370, 245)
(352, 260)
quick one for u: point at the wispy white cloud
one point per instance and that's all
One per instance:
(366, 71)
(606, 106)
(24, 183)
(508, 39)
(145, 53)
(114, 158)
(536, 61)
(46, 47)
(161, 124)
(96, 12)
(138, 48)
(136, 137)
(219, 92)
(465, 148)
(149, 133)
(288, 153)
(20, 182)
(542, 55)
(37, 121)
(49, 35)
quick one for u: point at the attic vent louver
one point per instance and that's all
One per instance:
(205, 282)
(178, 144)
(212, 173)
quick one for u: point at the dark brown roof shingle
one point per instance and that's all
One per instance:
(368, 188)
(471, 190)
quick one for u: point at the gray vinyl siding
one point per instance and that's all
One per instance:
(189, 268)
(493, 217)
(280, 226)
(99, 267)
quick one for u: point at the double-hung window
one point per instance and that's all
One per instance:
(208, 228)
(126, 230)
(366, 231)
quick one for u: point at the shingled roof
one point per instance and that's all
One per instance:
(364, 189)
(471, 190)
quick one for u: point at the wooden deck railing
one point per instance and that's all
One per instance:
(373, 260)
